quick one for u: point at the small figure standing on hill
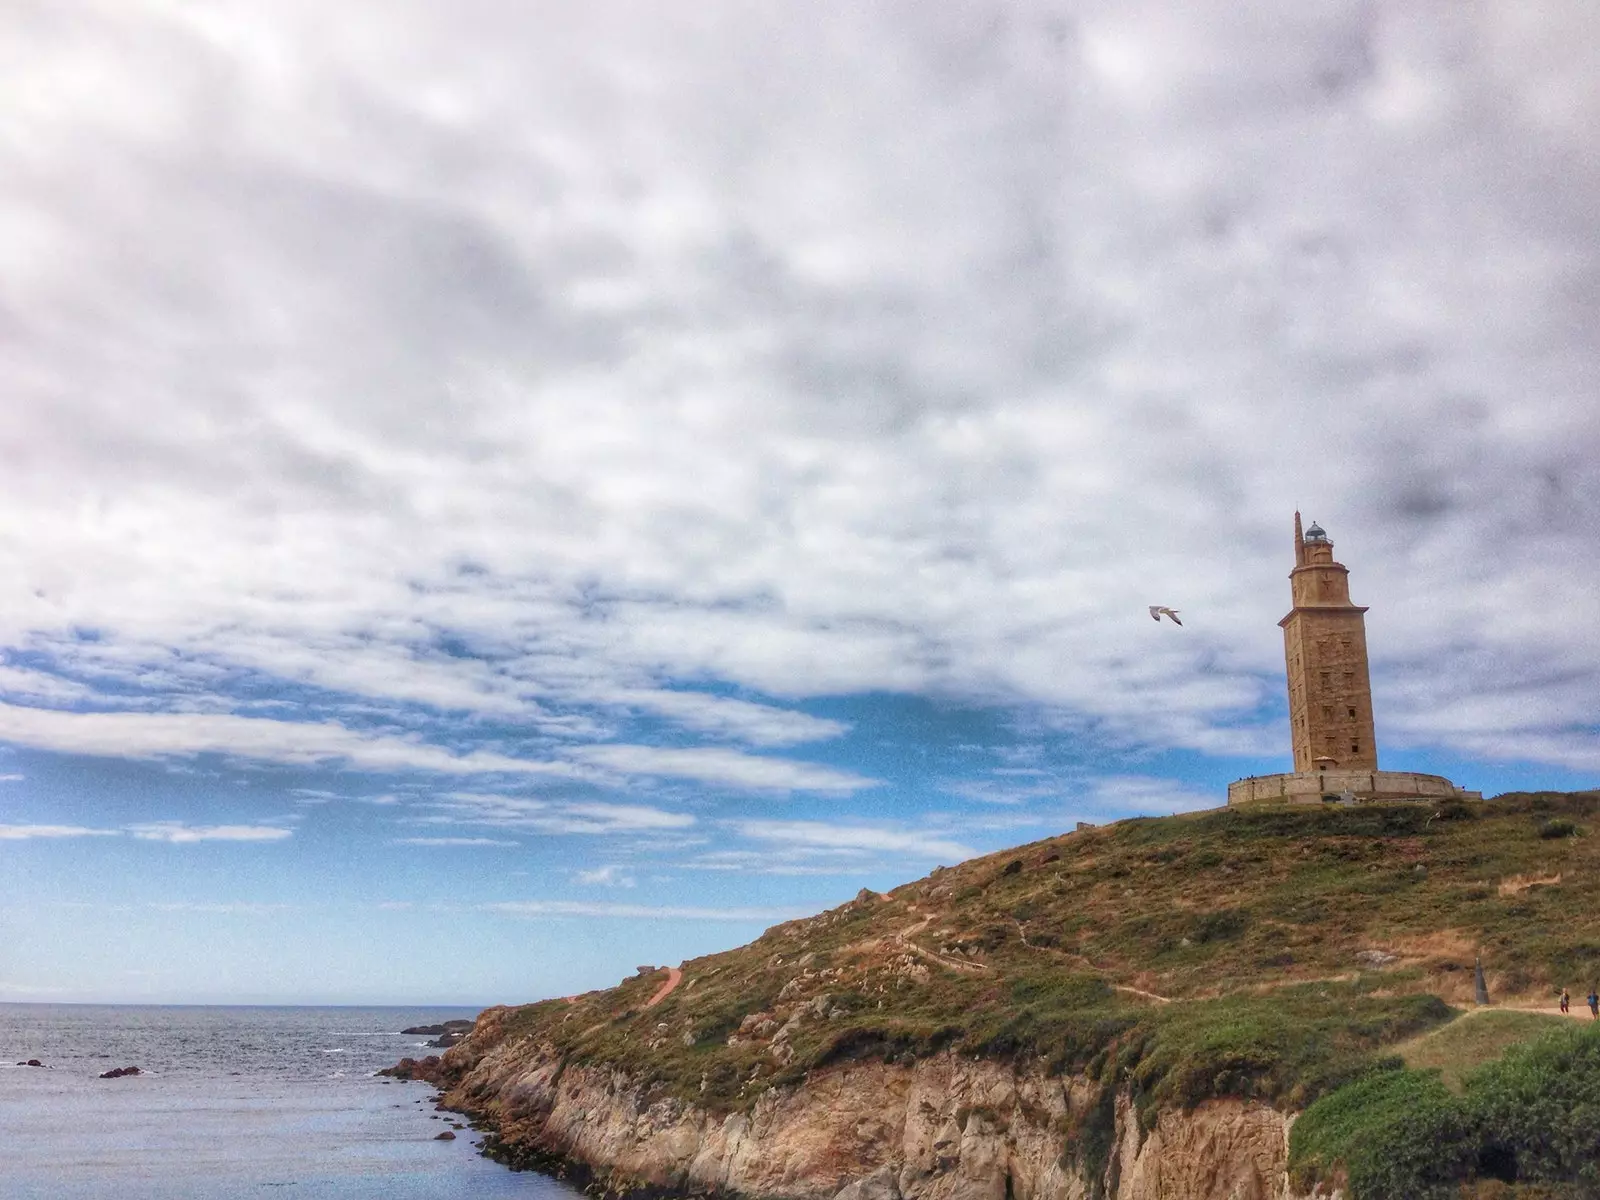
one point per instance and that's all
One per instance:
(1594, 1002)
(1566, 1000)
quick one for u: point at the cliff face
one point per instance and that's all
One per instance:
(943, 1128)
(937, 1042)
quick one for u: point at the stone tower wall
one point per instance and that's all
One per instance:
(1330, 693)
(1325, 654)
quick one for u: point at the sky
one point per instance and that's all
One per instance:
(497, 494)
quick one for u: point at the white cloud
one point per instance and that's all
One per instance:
(1004, 789)
(223, 908)
(13, 778)
(179, 833)
(610, 875)
(9, 988)
(637, 912)
(454, 841)
(160, 735)
(729, 768)
(758, 724)
(17, 833)
(768, 862)
(543, 816)
(826, 837)
(1146, 795)
(615, 408)
(40, 687)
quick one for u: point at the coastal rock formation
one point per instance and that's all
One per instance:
(943, 1128)
(445, 1034)
(426, 1069)
(120, 1072)
(1135, 1011)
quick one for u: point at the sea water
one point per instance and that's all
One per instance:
(232, 1102)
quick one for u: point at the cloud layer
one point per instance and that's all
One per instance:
(740, 445)
(460, 369)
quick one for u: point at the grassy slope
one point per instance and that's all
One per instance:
(1249, 922)
(1463, 1045)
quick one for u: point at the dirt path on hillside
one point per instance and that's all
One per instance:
(674, 978)
(1580, 1010)
(955, 964)
(1133, 991)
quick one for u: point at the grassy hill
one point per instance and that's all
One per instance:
(1269, 953)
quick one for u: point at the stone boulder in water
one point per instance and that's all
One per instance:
(410, 1068)
(120, 1072)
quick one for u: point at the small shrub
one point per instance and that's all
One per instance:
(1396, 1134)
(1557, 827)
(1539, 1111)
(1531, 1119)
(1223, 925)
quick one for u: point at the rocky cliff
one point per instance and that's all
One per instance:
(942, 1128)
(1129, 1011)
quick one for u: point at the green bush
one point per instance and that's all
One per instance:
(1399, 1135)
(1557, 827)
(1219, 926)
(1532, 1118)
(1539, 1111)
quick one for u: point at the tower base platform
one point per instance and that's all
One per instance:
(1317, 787)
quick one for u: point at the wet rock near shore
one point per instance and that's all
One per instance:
(32, 1062)
(120, 1072)
(445, 1034)
(426, 1069)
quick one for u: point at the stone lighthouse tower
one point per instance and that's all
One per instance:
(1330, 697)
(1325, 650)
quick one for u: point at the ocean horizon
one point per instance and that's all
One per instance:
(233, 1100)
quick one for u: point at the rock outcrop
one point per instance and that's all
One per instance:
(942, 1128)
(445, 1034)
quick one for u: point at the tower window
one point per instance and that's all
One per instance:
(1352, 712)
(1355, 747)
(1349, 677)
(1327, 677)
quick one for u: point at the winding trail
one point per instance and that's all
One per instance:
(674, 978)
(1580, 1010)
(904, 938)
(1133, 991)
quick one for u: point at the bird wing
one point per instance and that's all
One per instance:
(1155, 612)
(1173, 613)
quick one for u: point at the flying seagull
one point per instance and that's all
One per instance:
(1157, 611)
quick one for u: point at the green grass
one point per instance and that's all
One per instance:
(1473, 1040)
(1531, 1118)
(1249, 921)
(1399, 1134)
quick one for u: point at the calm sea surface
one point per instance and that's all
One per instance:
(233, 1102)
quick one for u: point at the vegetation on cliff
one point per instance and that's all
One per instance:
(1279, 954)
(1531, 1117)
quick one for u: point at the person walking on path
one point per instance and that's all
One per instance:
(1594, 1002)
(1565, 1000)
